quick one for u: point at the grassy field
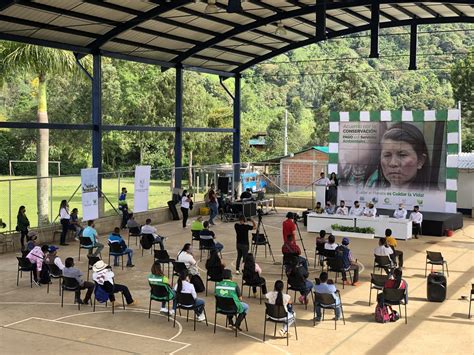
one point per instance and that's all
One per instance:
(23, 192)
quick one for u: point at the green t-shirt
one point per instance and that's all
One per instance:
(197, 226)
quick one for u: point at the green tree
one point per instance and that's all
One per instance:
(44, 63)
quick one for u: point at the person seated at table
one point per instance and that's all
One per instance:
(197, 225)
(348, 261)
(246, 194)
(356, 210)
(318, 209)
(149, 229)
(290, 248)
(322, 286)
(416, 218)
(384, 249)
(116, 238)
(298, 279)
(400, 212)
(342, 209)
(370, 210)
(392, 242)
(214, 266)
(207, 234)
(331, 243)
(277, 297)
(329, 208)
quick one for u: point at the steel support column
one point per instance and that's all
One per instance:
(97, 116)
(374, 29)
(236, 134)
(413, 46)
(320, 20)
(178, 138)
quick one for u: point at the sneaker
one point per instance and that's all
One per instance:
(255, 295)
(76, 239)
(317, 319)
(63, 244)
(134, 303)
(201, 317)
(282, 332)
(337, 318)
(79, 301)
(171, 312)
(36, 283)
(237, 272)
(164, 310)
(301, 299)
(130, 265)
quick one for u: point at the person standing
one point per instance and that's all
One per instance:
(185, 203)
(289, 227)
(331, 195)
(72, 272)
(123, 206)
(242, 230)
(416, 219)
(213, 206)
(400, 213)
(22, 224)
(322, 181)
(65, 218)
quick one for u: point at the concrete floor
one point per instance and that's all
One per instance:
(33, 321)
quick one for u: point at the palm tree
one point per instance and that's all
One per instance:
(44, 63)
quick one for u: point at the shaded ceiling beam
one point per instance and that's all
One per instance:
(413, 46)
(356, 14)
(134, 22)
(374, 29)
(329, 17)
(454, 9)
(6, 4)
(320, 20)
(427, 9)
(403, 10)
(101, 20)
(335, 34)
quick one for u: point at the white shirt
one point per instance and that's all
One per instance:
(382, 250)
(64, 214)
(342, 210)
(184, 202)
(149, 229)
(189, 261)
(322, 181)
(332, 246)
(188, 287)
(103, 276)
(400, 213)
(356, 211)
(272, 296)
(370, 212)
(416, 217)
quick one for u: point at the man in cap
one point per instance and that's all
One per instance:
(104, 277)
(348, 261)
(53, 258)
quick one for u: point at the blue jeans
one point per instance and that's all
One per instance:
(213, 208)
(337, 310)
(129, 253)
(218, 246)
(199, 305)
(308, 286)
(163, 304)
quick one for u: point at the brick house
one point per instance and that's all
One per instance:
(299, 170)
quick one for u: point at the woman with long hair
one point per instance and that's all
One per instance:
(278, 298)
(214, 266)
(185, 204)
(65, 218)
(186, 256)
(22, 224)
(213, 206)
(298, 279)
(331, 195)
(157, 277)
(184, 286)
(251, 274)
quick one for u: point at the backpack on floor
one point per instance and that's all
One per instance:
(381, 313)
(394, 316)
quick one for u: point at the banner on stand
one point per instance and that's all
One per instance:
(90, 194)
(142, 187)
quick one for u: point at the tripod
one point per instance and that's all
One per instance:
(301, 238)
(261, 239)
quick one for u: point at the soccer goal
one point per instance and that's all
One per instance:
(11, 162)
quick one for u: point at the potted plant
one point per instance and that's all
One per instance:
(353, 232)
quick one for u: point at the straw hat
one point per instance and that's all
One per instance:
(99, 266)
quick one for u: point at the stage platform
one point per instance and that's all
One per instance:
(434, 223)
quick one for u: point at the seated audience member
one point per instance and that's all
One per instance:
(184, 286)
(252, 274)
(149, 229)
(356, 210)
(246, 194)
(214, 266)
(318, 209)
(384, 250)
(116, 238)
(31, 238)
(290, 248)
(323, 286)
(395, 281)
(229, 289)
(331, 243)
(53, 258)
(370, 210)
(298, 279)
(72, 272)
(75, 224)
(207, 234)
(392, 242)
(186, 256)
(400, 212)
(348, 260)
(278, 298)
(342, 209)
(197, 225)
(91, 233)
(36, 256)
(416, 218)
(132, 224)
(157, 277)
(321, 241)
(104, 277)
(329, 208)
